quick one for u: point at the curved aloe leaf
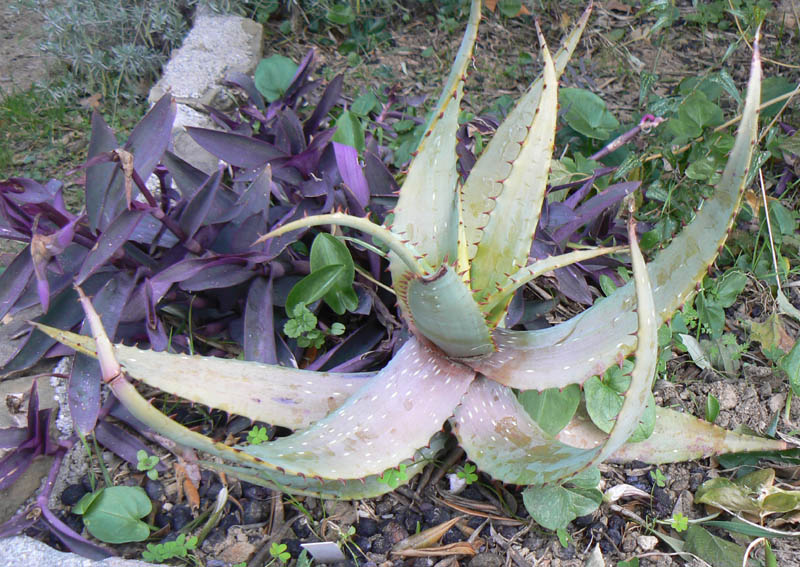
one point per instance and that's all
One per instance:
(432, 175)
(496, 302)
(514, 195)
(408, 254)
(676, 437)
(516, 450)
(442, 309)
(504, 442)
(263, 392)
(383, 423)
(546, 358)
(367, 487)
(485, 182)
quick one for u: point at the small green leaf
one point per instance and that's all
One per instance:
(274, 75)
(602, 403)
(712, 408)
(551, 409)
(349, 131)
(713, 549)
(553, 507)
(327, 250)
(729, 287)
(114, 514)
(364, 104)
(341, 14)
(509, 8)
(680, 522)
(791, 365)
(314, 286)
(587, 114)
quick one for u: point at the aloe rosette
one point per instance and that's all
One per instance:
(458, 252)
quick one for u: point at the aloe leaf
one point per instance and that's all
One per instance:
(545, 358)
(504, 442)
(442, 309)
(506, 228)
(408, 254)
(496, 302)
(383, 423)
(263, 392)
(432, 175)
(520, 452)
(353, 489)
(676, 437)
(485, 181)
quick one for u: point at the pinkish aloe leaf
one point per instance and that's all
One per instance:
(382, 424)
(274, 394)
(348, 489)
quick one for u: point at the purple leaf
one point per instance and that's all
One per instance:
(98, 177)
(153, 325)
(352, 174)
(290, 132)
(64, 313)
(196, 210)
(187, 177)
(326, 103)
(109, 243)
(226, 272)
(151, 136)
(245, 82)
(14, 280)
(259, 330)
(299, 82)
(379, 179)
(238, 150)
(84, 383)
(592, 208)
(122, 443)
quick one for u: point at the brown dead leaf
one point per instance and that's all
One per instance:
(458, 548)
(492, 4)
(772, 333)
(426, 538)
(186, 487)
(92, 102)
(126, 161)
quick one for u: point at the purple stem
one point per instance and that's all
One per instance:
(647, 123)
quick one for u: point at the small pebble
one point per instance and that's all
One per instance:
(647, 542)
(73, 493)
(181, 515)
(154, 489)
(394, 532)
(255, 511)
(486, 560)
(366, 527)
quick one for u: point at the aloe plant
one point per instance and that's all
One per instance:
(458, 252)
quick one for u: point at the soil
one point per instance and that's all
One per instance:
(256, 517)
(21, 61)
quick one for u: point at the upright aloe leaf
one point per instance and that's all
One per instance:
(513, 197)
(543, 359)
(432, 228)
(485, 182)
